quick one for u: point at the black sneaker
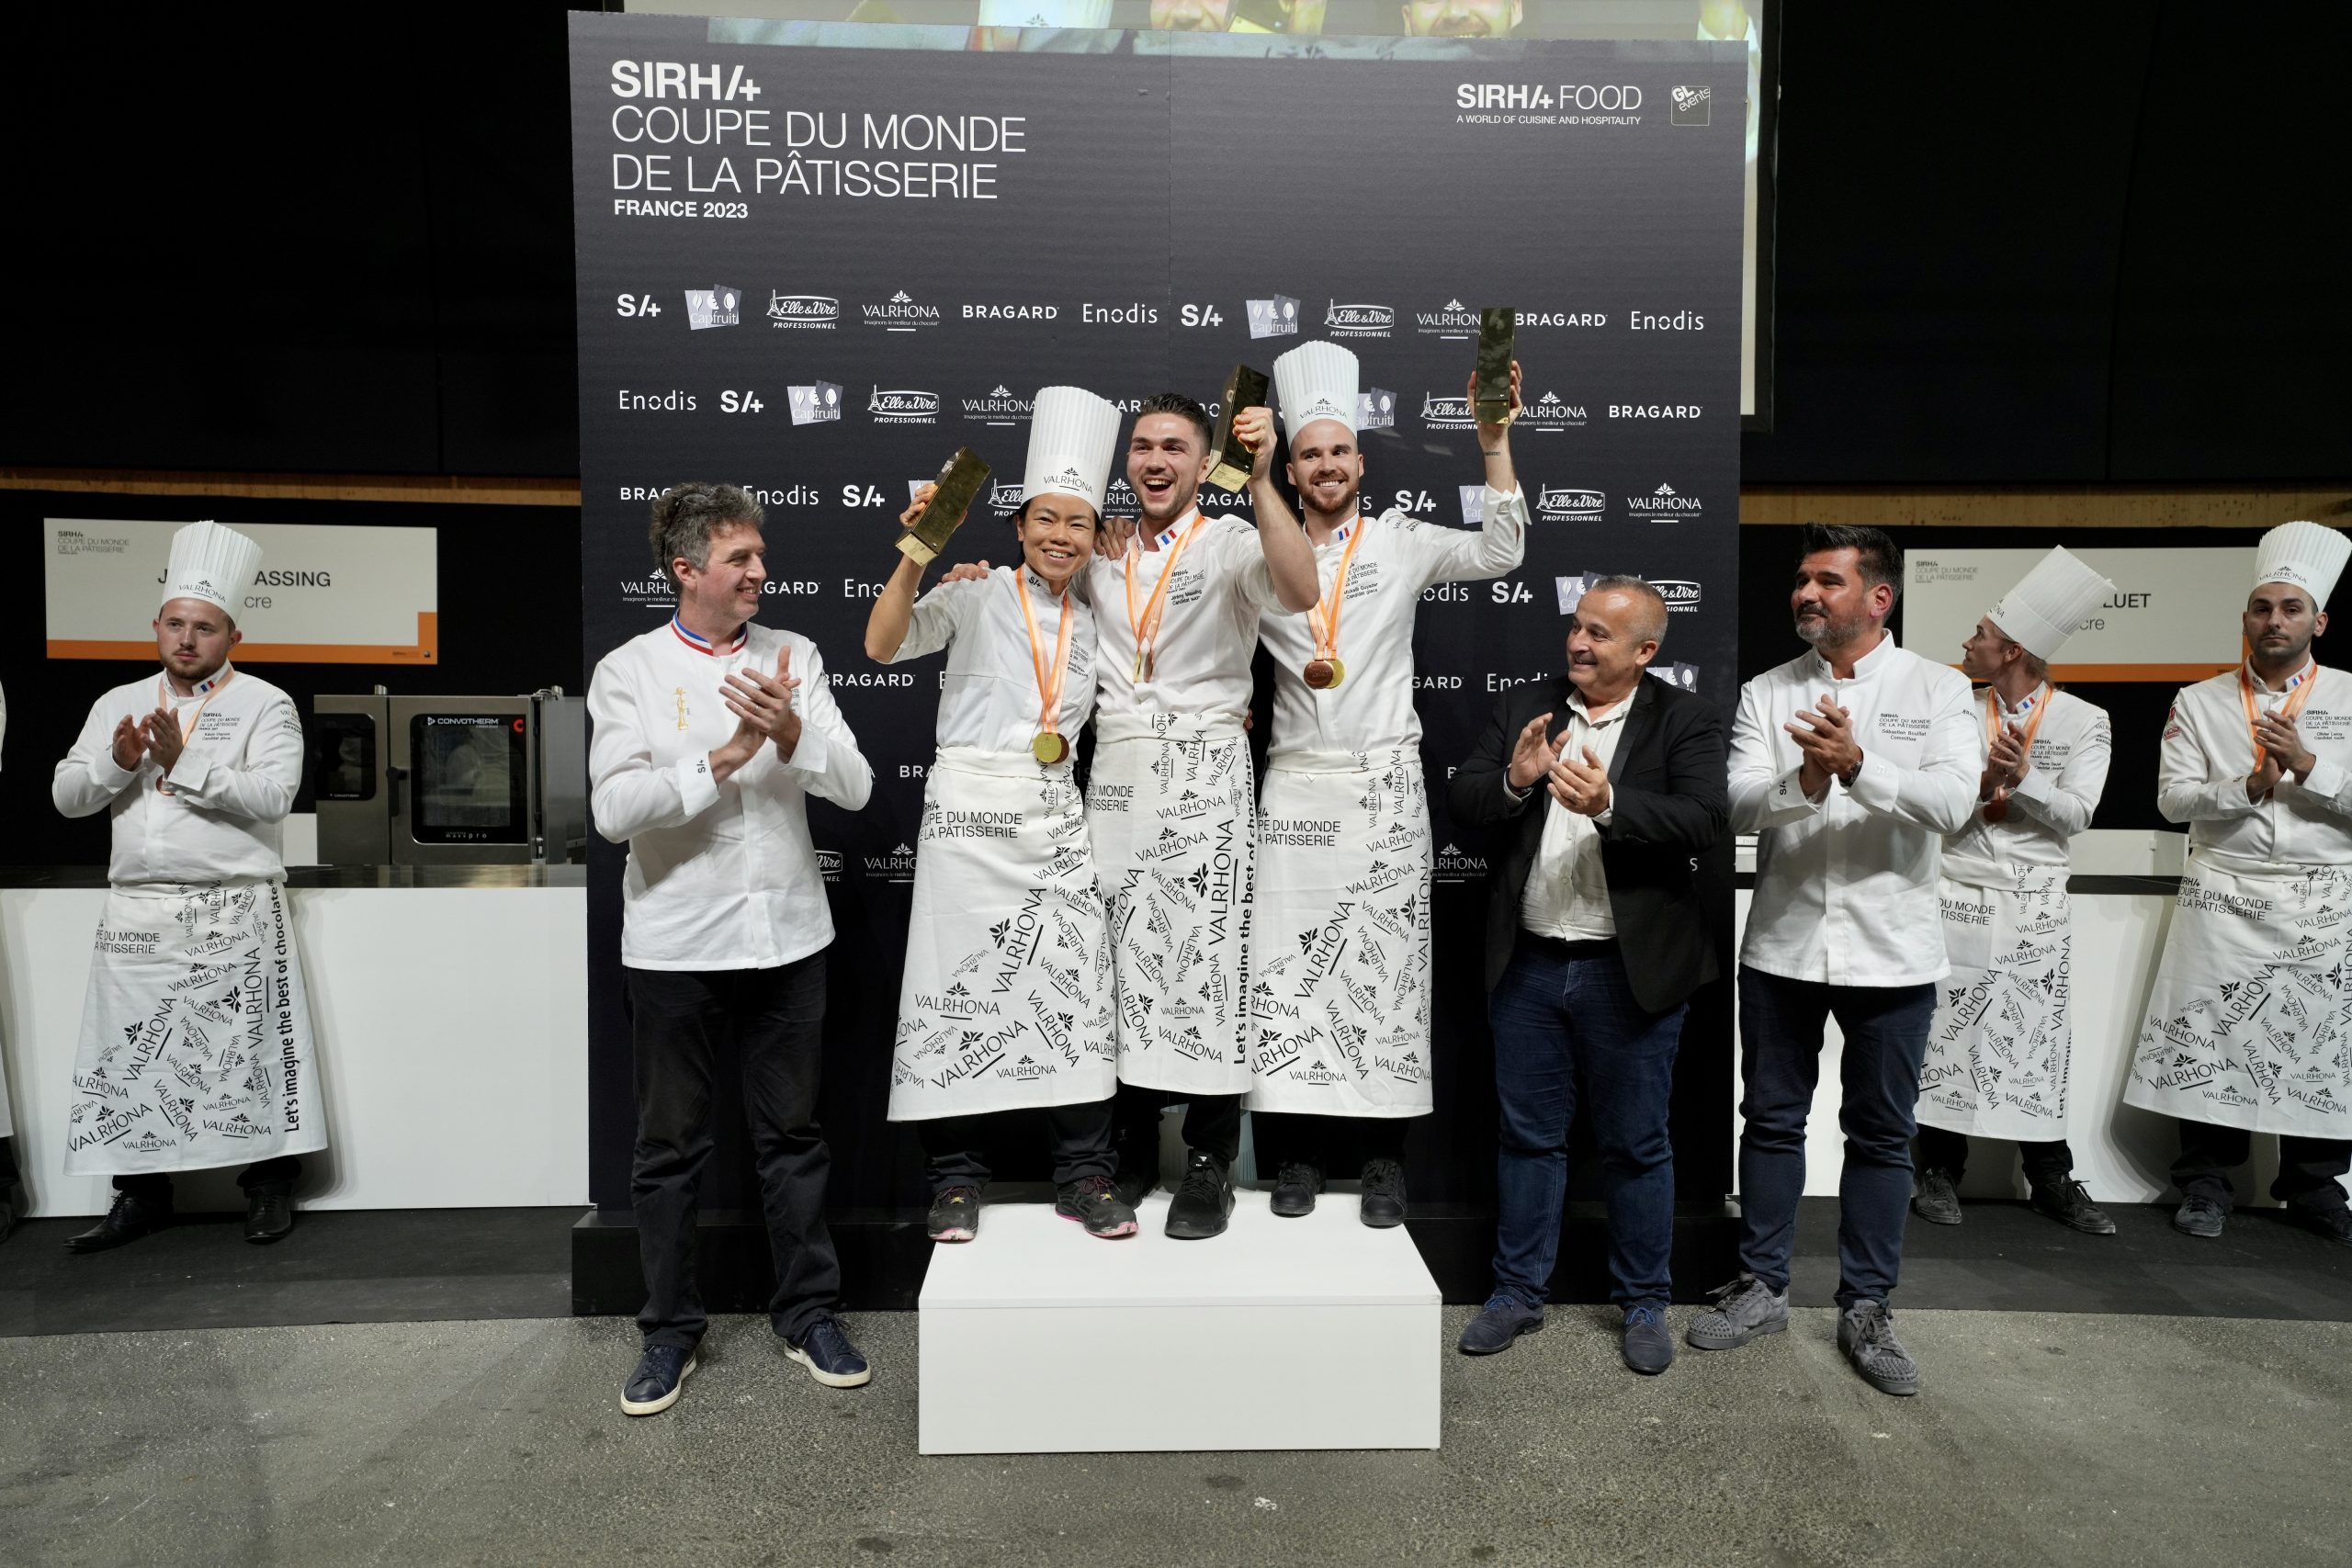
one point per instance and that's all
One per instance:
(1937, 1197)
(1136, 1177)
(1295, 1186)
(1383, 1203)
(661, 1376)
(1203, 1199)
(1866, 1333)
(1499, 1325)
(130, 1219)
(831, 1359)
(2199, 1216)
(2066, 1203)
(269, 1216)
(955, 1215)
(1648, 1347)
(2333, 1221)
(1094, 1202)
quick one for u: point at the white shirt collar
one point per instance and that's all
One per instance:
(1868, 664)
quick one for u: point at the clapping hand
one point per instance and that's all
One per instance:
(130, 745)
(1532, 756)
(763, 707)
(1582, 787)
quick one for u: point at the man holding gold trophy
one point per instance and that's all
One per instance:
(1339, 955)
(1007, 912)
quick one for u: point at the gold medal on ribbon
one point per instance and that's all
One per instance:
(1324, 674)
(1050, 748)
(1324, 670)
(1048, 745)
(1145, 623)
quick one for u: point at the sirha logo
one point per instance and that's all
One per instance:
(1663, 502)
(1454, 320)
(1358, 321)
(900, 314)
(820, 312)
(1563, 504)
(903, 406)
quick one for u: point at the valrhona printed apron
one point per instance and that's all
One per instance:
(195, 1048)
(1175, 835)
(1998, 1048)
(2249, 1022)
(1339, 974)
(1006, 1000)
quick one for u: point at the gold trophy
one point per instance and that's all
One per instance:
(961, 479)
(1245, 389)
(1494, 342)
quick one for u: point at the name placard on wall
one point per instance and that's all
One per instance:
(2173, 617)
(324, 594)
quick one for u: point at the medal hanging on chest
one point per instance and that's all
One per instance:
(1997, 809)
(1324, 671)
(1050, 745)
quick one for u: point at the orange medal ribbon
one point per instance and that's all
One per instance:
(1998, 809)
(1050, 747)
(2287, 710)
(1147, 626)
(1324, 671)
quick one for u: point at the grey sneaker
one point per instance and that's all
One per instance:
(2199, 1216)
(1936, 1199)
(1744, 1310)
(1866, 1334)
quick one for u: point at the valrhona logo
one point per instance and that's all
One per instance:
(900, 314)
(903, 406)
(816, 312)
(1453, 865)
(1550, 411)
(1663, 502)
(1358, 321)
(1454, 321)
(899, 865)
(1000, 407)
(1277, 317)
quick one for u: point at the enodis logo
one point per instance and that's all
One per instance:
(1563, 503)
(1358, 321)
(1277, 317)
(902, 405)
(818, 403)
(806, 312)
(1375, 409)
(715, 307)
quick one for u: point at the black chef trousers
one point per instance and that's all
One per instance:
(680, 1023)
(277, 1174)
(1079, 1137)
(2307, 1167)
(1335, 1146)
(1212, 1122)
(2046, 1164)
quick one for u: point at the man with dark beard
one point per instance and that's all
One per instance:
(1851, 762)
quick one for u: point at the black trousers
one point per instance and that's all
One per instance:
(278, 1173)
(1335, 1146)
(1077, 1135)
(1212, 1122)
(1943, 1149)
(680, 1023)
(2307, 1167)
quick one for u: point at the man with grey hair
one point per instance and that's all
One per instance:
(710, 735)
(1595, 941)
(1849, 763)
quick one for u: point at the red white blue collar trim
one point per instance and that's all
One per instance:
(704, 643)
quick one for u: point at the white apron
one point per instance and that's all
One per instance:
(2247, 1022)
(1006, 1000)
(1998, 1048)
(196, 1035)
(1339, 965)
(1175, 835)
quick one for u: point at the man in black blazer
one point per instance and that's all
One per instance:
(1608, 784)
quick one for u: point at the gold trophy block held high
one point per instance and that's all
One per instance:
(1496, 331)
(961, 479)
(1245, 389)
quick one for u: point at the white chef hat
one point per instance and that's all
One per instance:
(2040, 612)
(1045, 12)
(1073, 433)
(1316, 380)
(2306, 555)
(210, 563)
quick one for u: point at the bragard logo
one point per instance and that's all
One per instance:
(1445, 414)
(1454, 321)
(1664, 502)
(818, 403)
(715, 307)
(900, 315)
(819, 312)
(903, 406)
(1358, 321)
(1375, 409)
(1000, 407)
(1561, 503)
(1277, 317)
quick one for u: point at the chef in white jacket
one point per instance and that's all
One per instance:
(1999, 1046)
(1339, 950)
(2249, 1022)
(197, 1048)
(711, 733)
(1005, 1002)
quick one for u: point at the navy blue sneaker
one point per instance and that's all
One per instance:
(1501, 1321)
(1649, 1348)
(831, 1359)
(661, 1376)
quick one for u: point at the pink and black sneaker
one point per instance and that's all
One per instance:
(1094, 1202)
(955, 1215)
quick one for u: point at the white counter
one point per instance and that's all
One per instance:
(453, 1045)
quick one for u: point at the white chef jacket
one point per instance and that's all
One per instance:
(1372, 708)
(1846, 887)
(2055, 799)
(231, 789)
(1567, 889)
(720, 876)
(1208, 630)
(2207, 753)
(991, 698)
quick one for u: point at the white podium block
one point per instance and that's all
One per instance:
(1314, 1332)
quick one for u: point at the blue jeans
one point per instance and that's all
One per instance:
(1781, 1028)
(1559, 1024)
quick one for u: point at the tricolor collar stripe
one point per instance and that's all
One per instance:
(1168, 536)
(704, 643)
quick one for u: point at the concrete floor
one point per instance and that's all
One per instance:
(2069, 1439)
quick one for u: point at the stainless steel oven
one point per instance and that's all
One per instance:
(450, 781)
